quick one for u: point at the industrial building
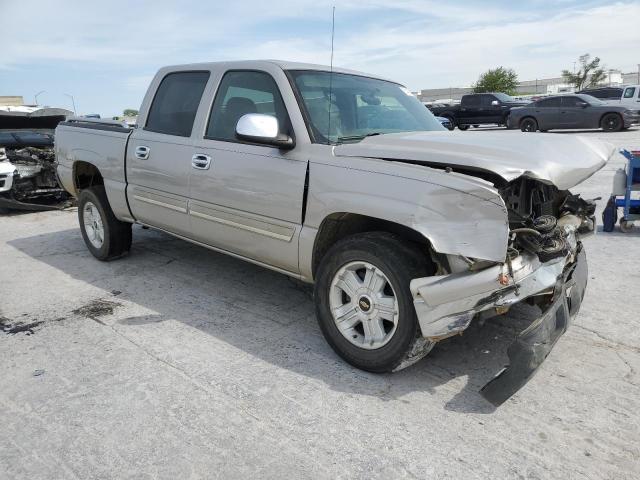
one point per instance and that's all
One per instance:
(541, 86)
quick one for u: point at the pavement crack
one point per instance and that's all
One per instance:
(182, 373)
(609, 340)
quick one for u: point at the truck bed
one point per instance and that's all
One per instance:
(102, 143)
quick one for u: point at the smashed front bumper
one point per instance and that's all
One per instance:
(446, 304)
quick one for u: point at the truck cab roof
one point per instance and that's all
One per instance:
(262, 64)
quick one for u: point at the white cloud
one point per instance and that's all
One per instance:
(422, 43)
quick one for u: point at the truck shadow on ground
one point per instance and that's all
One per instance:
(270, 316)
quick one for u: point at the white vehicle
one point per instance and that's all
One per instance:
(630, 97)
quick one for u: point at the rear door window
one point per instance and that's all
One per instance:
(548, 103)
(571, 102)
(175, 104)
(471, 101)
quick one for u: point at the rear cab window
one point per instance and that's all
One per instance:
(630, 92)
(176, 102)
(548, 103)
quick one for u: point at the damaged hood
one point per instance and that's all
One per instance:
(561, 160)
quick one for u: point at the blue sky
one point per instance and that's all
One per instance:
(105, 53)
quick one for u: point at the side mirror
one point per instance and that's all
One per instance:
(260, 128)
(495, 103)
(583, 104)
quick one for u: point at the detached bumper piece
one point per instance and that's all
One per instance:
(533, 344)
(62, 201)
(446, 305)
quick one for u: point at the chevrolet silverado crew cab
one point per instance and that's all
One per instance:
(478, 109)
(345, 180)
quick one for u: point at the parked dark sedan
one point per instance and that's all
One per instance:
(572, 111)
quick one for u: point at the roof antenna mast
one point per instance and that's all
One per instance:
(333, 29)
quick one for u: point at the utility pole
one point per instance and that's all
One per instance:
(639, 74)
(73, 102)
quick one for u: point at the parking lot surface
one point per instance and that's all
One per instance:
(179, 362)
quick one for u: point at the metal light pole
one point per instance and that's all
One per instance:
(73, 102)
(639, 74)
(44, 91)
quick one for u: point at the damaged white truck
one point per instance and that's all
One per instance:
(408, 231)
(28, 178)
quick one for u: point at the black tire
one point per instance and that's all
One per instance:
(528, 124)
(117, 234)
(400, 262)
(505, 122)
(452, 123)
(463, 127)
(611, 122)
(476, 126)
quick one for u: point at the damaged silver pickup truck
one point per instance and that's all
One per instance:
(28, 179)
(408, 231)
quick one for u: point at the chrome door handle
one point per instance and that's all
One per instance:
(142, 152)
(200, 161)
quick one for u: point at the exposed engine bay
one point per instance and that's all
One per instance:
(28, 179)
(543, 220)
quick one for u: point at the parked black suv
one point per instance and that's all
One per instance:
(479, 109)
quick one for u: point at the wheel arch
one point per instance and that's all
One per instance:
(338, 225)
(85, 175)
(609, 113)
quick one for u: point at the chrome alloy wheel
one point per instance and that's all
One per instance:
(364, 305)
(93, 224)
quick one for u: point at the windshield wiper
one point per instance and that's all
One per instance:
(358, 137)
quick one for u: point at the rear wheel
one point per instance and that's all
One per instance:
(611, 122)
(363, 302)
(106, 237)
(528, 125)
(463, 127)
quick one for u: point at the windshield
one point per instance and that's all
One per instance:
(357, 107)
(503, 97)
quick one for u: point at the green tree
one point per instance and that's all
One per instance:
(498, 79)
(589, 74)
(130, 112)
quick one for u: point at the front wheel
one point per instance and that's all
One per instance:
(528, 125)
(363, 302)
(463, 127)
(106, 237)
(452, 123)
(612, 122)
